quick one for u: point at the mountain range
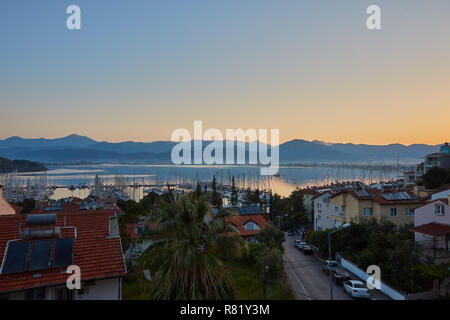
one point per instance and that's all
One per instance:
(76, 148)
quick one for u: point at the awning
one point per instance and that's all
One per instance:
(432, 229)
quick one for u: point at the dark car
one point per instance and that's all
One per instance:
(340, 277)
(307, 250)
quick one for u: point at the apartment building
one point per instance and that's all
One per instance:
(327, 215)
(395, 206)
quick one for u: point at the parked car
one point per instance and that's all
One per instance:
(356, 289)
(340, 277)
(296, 243)
(329, 265)
(307, 249)
(300, 245)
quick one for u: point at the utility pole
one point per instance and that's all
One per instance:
(266, 269)
(329, 256)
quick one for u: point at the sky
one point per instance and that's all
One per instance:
(137, 70)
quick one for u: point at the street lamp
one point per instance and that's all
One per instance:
(329, 256)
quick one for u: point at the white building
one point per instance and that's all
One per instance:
(326, 214)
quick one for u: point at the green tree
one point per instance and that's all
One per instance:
(151, 201)
(271, 237)
(184, 264)
(216, 197)
(271, 258)
(27, 205)
(234, 196)
(198, 190)
(435, 178)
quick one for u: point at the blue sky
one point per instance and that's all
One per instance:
(137, 70)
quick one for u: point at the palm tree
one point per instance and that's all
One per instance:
(184, 263)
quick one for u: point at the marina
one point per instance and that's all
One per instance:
(122, 181)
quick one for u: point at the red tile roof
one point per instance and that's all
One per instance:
(241, 220)
(309, 191)
(96, 253)
(432, 229)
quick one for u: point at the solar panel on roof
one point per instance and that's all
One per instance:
(362, 193)
(249, 210)
(40, 255)
(16, 257)
(63, 252)
(387, 196)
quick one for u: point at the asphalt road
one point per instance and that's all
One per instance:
(308, 281)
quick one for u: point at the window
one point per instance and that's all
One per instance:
(393, 212)
(336, 210)
(250, 226)
(439, 209)
(319, 217)
(409, 212)
(368, 212)
(319, 206)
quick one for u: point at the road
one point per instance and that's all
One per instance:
(308, 281)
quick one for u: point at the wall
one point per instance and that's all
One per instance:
(401, 218)
(107, 289)
(364, 276)
(5, 207)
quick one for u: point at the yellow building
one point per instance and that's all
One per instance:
(395, 206)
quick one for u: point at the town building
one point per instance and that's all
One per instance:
(395, 206)
(138, 243)
(440, 159)
(327, 215)
(37, 249)
(432, 225)
(249, 221)
(308, 196)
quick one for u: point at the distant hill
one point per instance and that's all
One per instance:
(302, 150)
(75, 148)
(7, 166)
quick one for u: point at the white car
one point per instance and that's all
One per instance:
(356, 289)
(301, 244)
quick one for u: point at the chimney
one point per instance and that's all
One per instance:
(113, 226)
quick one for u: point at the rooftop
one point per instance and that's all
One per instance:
(97, 253)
